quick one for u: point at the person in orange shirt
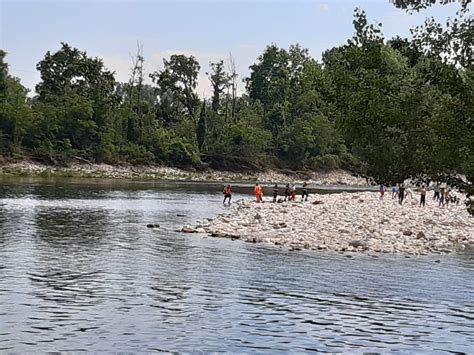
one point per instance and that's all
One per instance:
(258, 192)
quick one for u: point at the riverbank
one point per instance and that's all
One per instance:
(25, 168)
(348, 223)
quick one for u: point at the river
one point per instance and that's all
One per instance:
(81, 271)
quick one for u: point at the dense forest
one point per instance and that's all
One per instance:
(386, 108)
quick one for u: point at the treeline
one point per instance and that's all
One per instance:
(389, 109)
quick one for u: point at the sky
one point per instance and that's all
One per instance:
(208, 29)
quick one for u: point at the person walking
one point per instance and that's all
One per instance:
(292, 192)
(441, 197)
(447, 198)
(401, 194)
(382, 191)
(287, 192)
(394, 191)
(304, 192)
(423, 196)
(227, 194)
(436, 192)
(275, 193)
(258, 192)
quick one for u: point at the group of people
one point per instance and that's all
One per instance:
(290, 193)
(401, 191)
(441, 194)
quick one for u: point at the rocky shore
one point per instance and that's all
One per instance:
(348, 223)
(25, 168)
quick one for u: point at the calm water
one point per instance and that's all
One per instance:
(79, 270)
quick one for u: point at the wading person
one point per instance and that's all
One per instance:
(304, 192)
(409, 192)
(423, 196)
(275, 193)
(401, 194)
(227, 194)
(258, 192)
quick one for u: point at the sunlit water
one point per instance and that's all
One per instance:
(80, 271)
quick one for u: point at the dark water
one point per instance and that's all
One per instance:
(80, 271)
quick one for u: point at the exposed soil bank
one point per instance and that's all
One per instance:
(348, 222)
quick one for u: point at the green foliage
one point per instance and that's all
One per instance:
(176, 85)
(201, 127)
(136, 153)
(220, 80)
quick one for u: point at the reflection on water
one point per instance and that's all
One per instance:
(80, 271)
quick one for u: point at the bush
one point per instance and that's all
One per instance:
(136, 154)
(323, 162)
(182, 154)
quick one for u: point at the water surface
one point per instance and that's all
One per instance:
(80, 271)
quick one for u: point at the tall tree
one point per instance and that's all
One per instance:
(176, 85)
(201, 128)
(3, 73)
(219, 81)
(16, 115)
(81, 85)
(233, 83)
(275, 75)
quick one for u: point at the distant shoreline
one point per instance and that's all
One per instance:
(162, 173)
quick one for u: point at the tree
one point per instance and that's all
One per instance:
(454, 42)
(69, 69)
(176, 85)
(365, 32)
(275, 75)
(201, 127)
(233, 76)
(81, 93)
(219, 81)
(15, 114)
(3, 74)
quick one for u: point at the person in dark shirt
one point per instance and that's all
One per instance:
(423, 196)
(304, 192)
(442, 192)
(401, 194)
(275, 193)
(287, 192)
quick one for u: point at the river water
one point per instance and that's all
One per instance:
(79, 270)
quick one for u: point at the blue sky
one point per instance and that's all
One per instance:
(207, 29)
